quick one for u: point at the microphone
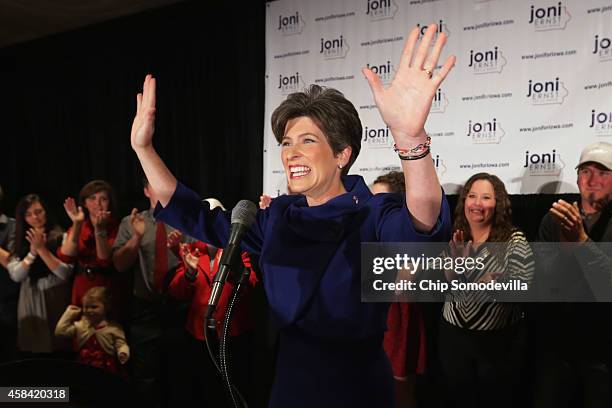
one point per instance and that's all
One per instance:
(243, 215)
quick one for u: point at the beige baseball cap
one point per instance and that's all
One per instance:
(599, 152)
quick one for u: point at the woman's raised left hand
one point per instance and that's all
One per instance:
(405, 104)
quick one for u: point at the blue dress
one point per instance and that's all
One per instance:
(330, 346)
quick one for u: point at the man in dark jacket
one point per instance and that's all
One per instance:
(574, 339)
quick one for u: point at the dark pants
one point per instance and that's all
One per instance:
(482, 368)
(159, 356)
(564, 383)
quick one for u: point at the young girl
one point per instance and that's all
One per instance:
(100, 343)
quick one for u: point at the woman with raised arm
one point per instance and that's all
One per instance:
(330, 346)
(89, 241)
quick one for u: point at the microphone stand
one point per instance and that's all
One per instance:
(212, 343)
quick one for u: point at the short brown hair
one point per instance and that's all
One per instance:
(95, 186)
(393, 179)
(330, 110)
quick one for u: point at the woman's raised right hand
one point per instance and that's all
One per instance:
(75, 213)
(458, 246)
(143, 126)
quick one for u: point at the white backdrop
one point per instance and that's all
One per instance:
(532, 84)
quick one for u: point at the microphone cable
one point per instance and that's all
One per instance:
(221, 364)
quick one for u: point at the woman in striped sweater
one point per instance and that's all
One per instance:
(481, 340)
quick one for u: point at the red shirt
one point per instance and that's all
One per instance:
(199, 292)
(87, 258)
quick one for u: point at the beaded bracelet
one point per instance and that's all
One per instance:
(417, 152)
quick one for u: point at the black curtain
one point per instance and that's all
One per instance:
(68, 102)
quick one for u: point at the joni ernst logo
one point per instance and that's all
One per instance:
(290, 83)
(485, 132)
(487, 61)
(603, 48)
(601, 122)
(333, 48)
(440, 102)
(553, 17)
(547, 93)
(442, 28)
(381, 9)
(439, 164)
(291, 24)
(543, 164)
(385, 71)
(377, 137)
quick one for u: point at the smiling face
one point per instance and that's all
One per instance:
(94, 310)
(36, 216)
(310, 164)
(480, 204)
(97, 202)
(595, 185)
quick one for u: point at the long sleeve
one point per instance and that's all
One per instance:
(17, 270)
(189, 214)
(595, 262)
(573, 270)
(121, 345)
(394, 222)
(58, 276)
(65, 326)
(179, 287)
(520, 260)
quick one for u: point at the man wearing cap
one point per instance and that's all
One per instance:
(573, 340)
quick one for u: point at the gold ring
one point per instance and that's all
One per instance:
(428, 72)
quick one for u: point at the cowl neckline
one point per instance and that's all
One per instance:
(326, 222)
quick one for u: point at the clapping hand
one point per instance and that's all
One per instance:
(37, 240)
(458, 247)
(190, 258)
(569, 219)
(174, 239)
(75, 213)
(137, 222)
(101, 219)
(264, 201)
